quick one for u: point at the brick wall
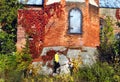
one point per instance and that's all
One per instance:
(58, 33)
(21, 40)
(92, 31)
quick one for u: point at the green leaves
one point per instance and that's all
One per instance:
(8, 21)
(2, 64)
(8, 10)
(99, 72)
(23, 60)
(2, 35)
(107, 35)
(12, 66)
(109, 46)
(6, 43)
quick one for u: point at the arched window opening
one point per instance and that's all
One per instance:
(75, 21)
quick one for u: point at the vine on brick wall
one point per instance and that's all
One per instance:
(34, 22)
(49, 55)
(118, 14)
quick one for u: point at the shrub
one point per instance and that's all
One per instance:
(109, 48)
(118, 24)
(8, 22)
(97, 73)
(12, 66)
(7, 45)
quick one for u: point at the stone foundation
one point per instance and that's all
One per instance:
(86, 55)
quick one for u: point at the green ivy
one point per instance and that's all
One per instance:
(12, 66)
(99, 72)
(7, 44)
(8, 22)
(109, 46)
(8, 10)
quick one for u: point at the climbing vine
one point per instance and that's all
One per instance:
(118, 14)
(34, 22)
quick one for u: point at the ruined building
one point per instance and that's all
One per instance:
(68, 26)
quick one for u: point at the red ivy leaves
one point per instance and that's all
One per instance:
(118, 14)
(34, 22)
(49, 55)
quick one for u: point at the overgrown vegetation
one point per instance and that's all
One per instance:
(110, 46)
(99, 72)
(107, 69)
(7, 44)
(14, 64)
(118, 24)
(8, 22)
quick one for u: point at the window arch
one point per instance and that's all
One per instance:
(75, 21)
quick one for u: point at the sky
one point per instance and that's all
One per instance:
(109, 3)
(102, 3)
(31, 2)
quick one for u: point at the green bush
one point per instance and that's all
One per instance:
(97, 73)
(8, 24)
(12, 66)
(7, 45)
(109, 49)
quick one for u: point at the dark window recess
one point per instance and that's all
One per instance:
(117, 35)
(30, 38)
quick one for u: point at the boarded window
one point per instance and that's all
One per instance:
(75, 21)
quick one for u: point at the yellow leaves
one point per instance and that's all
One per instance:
(71, 79)
(2, 80)
(32, 80)
(34, 68)
(76, 63)
(25, 80)
(116, 78)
